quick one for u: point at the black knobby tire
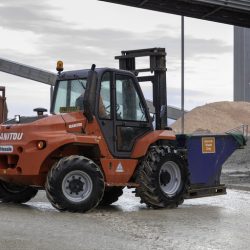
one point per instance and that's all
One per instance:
(111, 195)
(75, 184)
(150, 174)
(16, 194)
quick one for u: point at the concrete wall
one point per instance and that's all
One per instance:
(241, 64)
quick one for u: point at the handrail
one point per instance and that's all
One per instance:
(243, 129)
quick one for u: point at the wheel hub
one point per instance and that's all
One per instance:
(77, 186)
(170, 178)
(165, 178)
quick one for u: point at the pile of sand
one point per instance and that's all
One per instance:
(217, 117)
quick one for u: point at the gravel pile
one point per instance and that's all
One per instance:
(217, 117)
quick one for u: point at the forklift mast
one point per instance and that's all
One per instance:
(157, 75)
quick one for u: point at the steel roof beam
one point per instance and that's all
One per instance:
(27, 72)
(223, 11)
(212, 12)
(142, 3)
(239, 4)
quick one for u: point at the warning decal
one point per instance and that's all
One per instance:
(119, 168)
(208, 145)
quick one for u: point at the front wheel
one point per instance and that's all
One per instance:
(75, 184)
(162, 179)
(14, 193)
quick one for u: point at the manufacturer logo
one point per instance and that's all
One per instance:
(11, 136)
(119, 168)
(6, 149)
(75, 125)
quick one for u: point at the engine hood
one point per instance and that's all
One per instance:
(54, 125)
(25, 119)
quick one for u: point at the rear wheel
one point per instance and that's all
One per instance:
(75, 184)
(14, 193)
(111, 195)
(162, 179)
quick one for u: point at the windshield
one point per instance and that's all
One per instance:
(67, 95)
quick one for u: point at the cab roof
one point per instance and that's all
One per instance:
(76, 74)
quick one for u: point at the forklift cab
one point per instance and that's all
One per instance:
(113, 97)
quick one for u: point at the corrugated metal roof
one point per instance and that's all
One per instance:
(239, 4)
(223, 11)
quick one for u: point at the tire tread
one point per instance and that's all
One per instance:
(147, 177)
(53, 189)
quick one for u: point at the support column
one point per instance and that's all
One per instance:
(241, 64)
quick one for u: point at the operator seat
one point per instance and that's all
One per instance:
(102, 110)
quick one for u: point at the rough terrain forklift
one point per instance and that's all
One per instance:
(99, 139)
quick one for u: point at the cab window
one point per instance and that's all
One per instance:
(128, 104)
(104, 99)
(68, 95)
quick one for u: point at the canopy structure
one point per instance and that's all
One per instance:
(28, 72)
(234, 12)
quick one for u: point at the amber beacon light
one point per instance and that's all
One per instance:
(59, 66)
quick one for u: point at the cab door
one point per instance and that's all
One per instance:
(122, 112)
(105, 110)
(130, 113)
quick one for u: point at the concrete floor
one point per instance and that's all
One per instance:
(221, 222)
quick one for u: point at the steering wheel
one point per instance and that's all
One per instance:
(107, 108)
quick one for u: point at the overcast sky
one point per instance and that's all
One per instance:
(84, 32)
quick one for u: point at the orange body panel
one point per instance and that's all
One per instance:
(28, 165)
(118, 171)
(142, 144)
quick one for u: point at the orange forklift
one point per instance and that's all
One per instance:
(99, 139)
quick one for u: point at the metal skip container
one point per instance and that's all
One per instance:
(206, 155)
